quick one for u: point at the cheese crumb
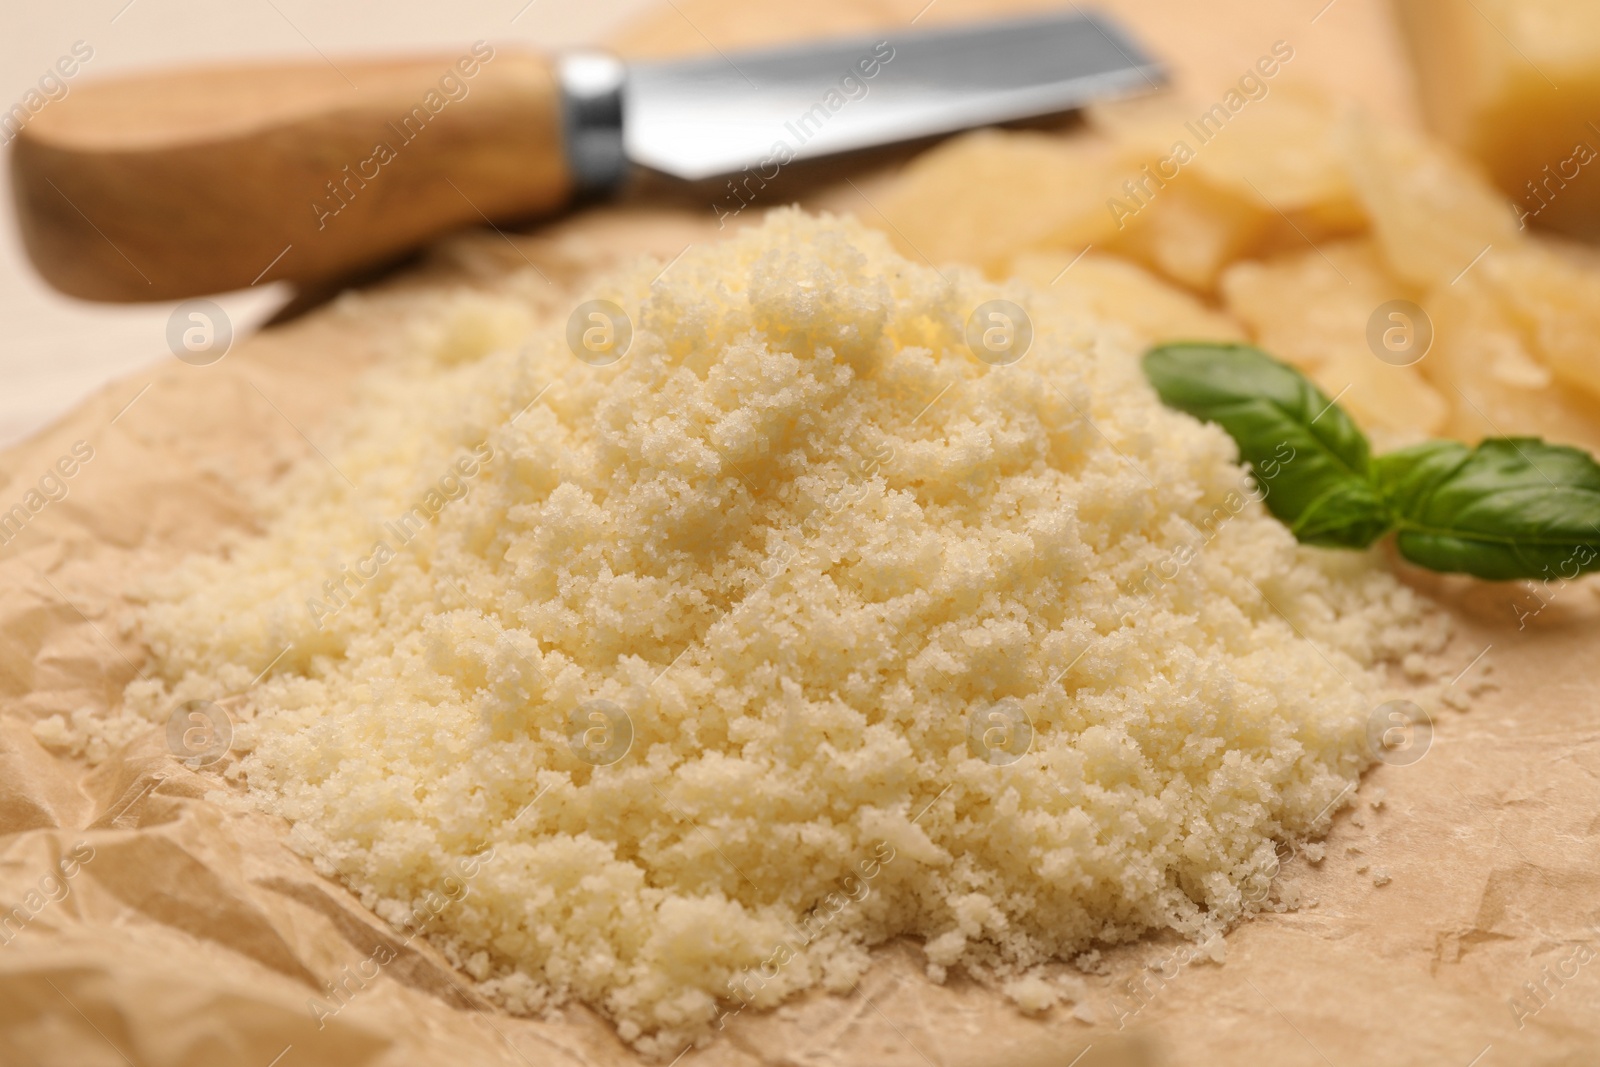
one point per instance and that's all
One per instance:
(673, 685)
(1032, 993)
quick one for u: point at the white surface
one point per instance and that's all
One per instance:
(55, 350)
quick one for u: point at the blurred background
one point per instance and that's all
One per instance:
(55, 350)
(1510, 82)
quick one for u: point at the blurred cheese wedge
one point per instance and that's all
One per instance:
(1516, 84)
(1483, 361)
(985, 196)
(1113, 290)
(1433, 215)
(1553, 295)
(1192, 230)
(1194, 199)
(1312, 309)
(1280, 153)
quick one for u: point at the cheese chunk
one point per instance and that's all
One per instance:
(1516, 83)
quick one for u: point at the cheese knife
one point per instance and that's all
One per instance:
(177, 183)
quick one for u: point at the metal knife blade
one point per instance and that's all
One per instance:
(703, 117)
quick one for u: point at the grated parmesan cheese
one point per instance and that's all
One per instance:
(1007, 659)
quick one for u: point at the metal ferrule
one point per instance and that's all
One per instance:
(591, 119)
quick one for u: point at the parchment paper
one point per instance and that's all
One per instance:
(142, 923)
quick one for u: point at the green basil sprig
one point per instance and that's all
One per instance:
(1511, 507)
(1325, 494)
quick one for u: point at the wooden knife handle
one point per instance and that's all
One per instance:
(168, 185)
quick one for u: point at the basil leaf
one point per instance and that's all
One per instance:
(1306, 454)
(1513, 507)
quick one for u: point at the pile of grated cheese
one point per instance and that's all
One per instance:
(682, 681)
